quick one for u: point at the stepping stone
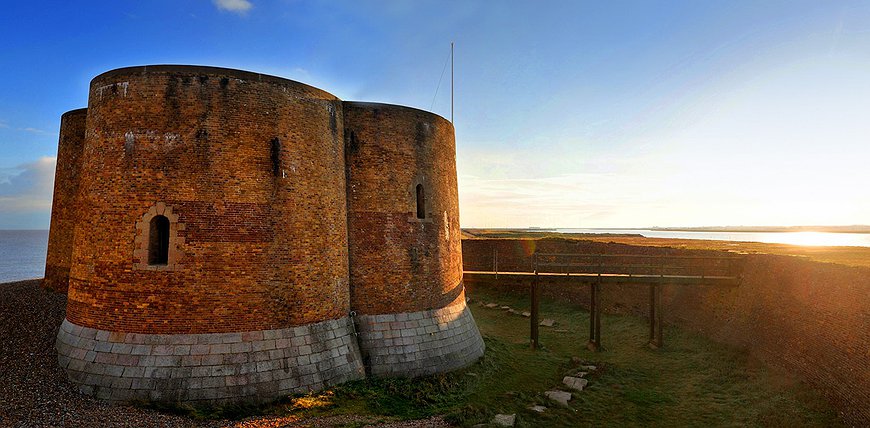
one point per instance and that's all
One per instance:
(539, 409)
(581, 374)
(527, 314)
(505, 307)
(491, 305)
(575, 382)
(560, 397)
(588, 368)
(505, 420)
(512, 311)
(546, 322)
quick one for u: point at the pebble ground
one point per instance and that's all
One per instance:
(34, 391)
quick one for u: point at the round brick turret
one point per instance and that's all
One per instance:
(246, 174)
(405, 246)
(63, 209)
(242, 162)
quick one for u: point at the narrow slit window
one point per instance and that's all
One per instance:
(276, 156)
(158, 241)
(421, 202)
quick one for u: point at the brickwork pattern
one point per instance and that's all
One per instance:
(250, 366)
(399, 263)
(809, 318)
(419, 343)
(245, 161)
(255, 175)
(63, 208)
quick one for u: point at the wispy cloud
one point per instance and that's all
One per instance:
(3, 124)
(33, 130)
(235, 6)
(27, 188)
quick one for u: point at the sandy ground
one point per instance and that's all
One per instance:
(35, 393)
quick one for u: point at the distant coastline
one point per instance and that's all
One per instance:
(765, 229)
(753, 229)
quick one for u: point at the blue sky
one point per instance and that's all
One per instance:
(568, 114)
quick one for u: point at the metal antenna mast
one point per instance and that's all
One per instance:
(451, 82)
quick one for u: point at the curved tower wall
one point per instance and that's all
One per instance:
(252, 299)
(214, 256)
(406, 271)
(63, 208)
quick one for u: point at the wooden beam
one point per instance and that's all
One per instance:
(624, 279)
(536, 301)
(594, 343)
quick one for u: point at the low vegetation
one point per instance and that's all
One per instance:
(690, 382)
(848, 256)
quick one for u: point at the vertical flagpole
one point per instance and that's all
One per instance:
(451, 82)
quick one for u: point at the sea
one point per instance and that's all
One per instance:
(22, 252)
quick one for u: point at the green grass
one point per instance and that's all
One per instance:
(690, 382)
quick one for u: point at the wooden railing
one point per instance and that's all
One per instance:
(598, 270)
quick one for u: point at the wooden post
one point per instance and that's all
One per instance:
(595, 313)
(652, 315)
(495, 262)
(533, 319)
(592, 311)
(655, 316)
(594, 318)
(659, 341)
(598, 317)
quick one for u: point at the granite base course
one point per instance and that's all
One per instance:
(259, 366)
(419, 343)
(254, 366)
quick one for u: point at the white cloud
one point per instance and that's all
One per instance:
(3, 124)
(32, 130)
(27, 188)
(236, 6)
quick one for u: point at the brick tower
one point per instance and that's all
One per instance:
(211, 252)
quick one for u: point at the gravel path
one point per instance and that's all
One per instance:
(34, 391)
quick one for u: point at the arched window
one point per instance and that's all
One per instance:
(158, 241)
(421, 202)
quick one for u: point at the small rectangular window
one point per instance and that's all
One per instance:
(421, 202)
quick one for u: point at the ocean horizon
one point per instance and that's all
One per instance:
(22, 254)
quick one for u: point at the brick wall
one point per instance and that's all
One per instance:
(63, 209)
(213, 206)
(398, 262)
(253, 168)
(807, 317)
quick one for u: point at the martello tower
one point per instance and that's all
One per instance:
(226, 235)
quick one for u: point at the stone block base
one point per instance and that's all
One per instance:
(251, 366)
(419, 343)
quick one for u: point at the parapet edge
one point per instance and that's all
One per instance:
(375, 105)
(206, 69)
(83, 110)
